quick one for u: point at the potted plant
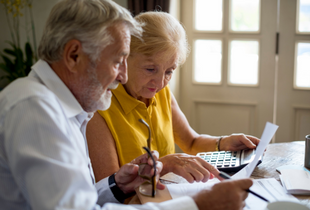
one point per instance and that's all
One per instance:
(17, 60)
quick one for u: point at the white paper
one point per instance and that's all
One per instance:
(296, 181)
(179, 190)
(268, 133)
(269, 188)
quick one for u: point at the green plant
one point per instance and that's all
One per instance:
(17, 62)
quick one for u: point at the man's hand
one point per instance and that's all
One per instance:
(192, 168)
(236, 142)
(228, 194)
(127, 178)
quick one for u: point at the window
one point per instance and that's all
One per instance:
(303, 17)
(208, 61)
(245, 16)
(302, 66)
(209, 15)
(243, 60)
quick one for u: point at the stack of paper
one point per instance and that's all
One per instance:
(295, 179)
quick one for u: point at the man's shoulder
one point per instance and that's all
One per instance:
(22, 89)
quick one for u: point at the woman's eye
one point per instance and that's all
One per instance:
(168, 75)
(150, 69)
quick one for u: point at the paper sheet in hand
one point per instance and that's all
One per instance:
(269, 131)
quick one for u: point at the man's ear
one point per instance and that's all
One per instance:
(72, 54)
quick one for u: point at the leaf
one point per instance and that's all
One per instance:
(8, 62)
(29, 58)
(16, 67)
(28, 51)
(19, 62)
(10, 52)
(5, 68)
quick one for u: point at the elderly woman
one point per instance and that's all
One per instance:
(115, 136)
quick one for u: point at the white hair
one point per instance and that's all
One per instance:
(162, 33)
(86, 21)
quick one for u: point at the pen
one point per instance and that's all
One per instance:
(226, 176)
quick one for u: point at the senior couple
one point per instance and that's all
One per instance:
(84, 50)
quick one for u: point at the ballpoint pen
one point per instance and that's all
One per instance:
(226, 176)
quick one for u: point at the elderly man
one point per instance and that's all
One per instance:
(44, 161)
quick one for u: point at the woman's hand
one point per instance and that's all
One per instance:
(237, 142)
(192, 168)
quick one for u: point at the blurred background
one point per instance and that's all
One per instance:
(249, 60)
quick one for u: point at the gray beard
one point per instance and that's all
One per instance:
(91, 98)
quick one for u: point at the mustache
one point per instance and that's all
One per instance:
(113, 85)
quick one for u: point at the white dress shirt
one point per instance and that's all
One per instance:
(44, 162)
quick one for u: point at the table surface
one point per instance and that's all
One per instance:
(276, 155)
(280, 154)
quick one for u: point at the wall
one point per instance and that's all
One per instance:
(41, 10)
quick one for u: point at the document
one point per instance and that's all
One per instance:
(270, 188)
(268, 133)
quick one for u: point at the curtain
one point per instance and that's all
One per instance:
(138, 6)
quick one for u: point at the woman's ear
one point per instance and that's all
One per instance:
(72, 54)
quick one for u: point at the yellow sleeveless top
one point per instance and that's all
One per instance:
(129, 134)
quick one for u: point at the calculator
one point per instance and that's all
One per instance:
(229, 161)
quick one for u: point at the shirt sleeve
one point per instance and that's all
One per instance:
(104, 193)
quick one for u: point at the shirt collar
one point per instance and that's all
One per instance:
(127, 102)
(51, 80)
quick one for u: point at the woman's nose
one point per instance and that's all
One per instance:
(159, 80)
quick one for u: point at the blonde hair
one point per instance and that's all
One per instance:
(86, 21)
(161, 33)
